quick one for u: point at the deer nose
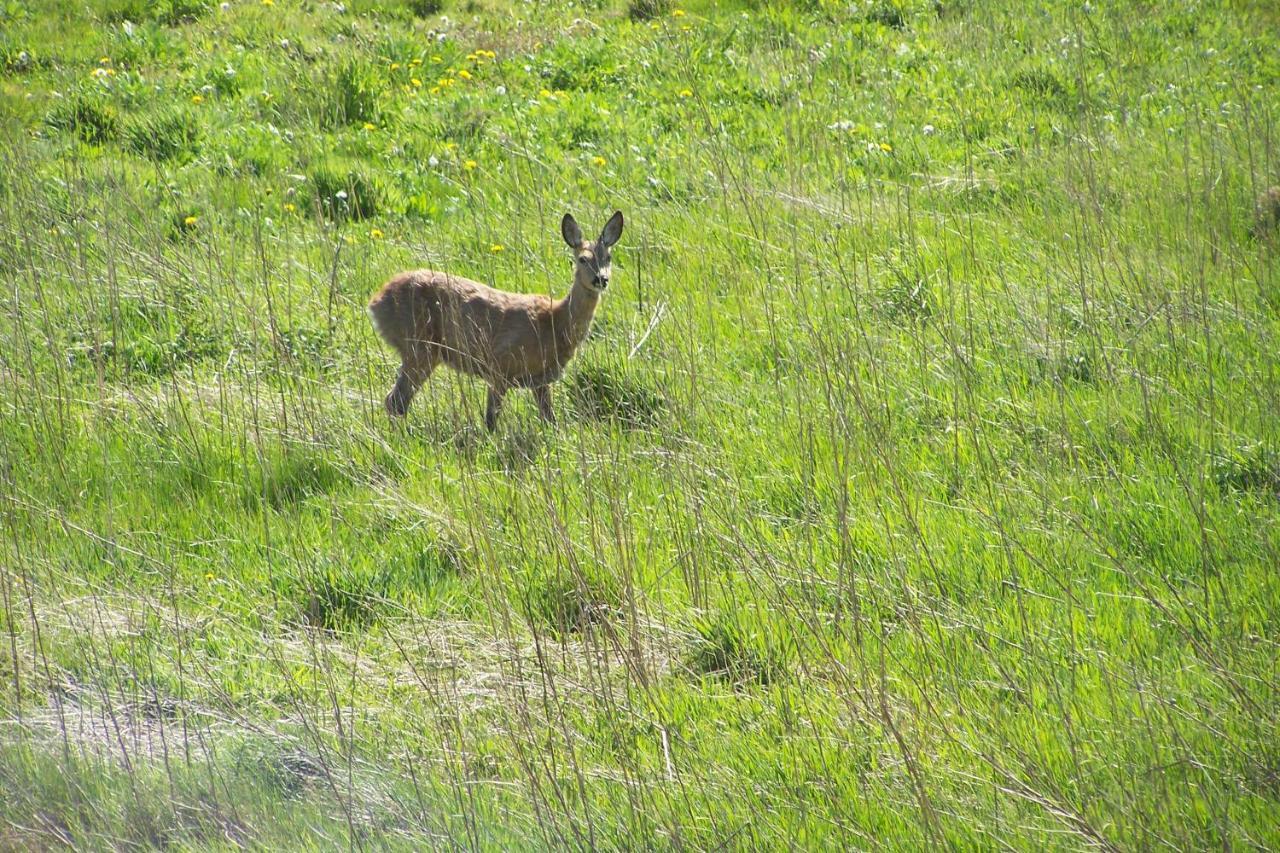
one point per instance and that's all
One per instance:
(602, 281)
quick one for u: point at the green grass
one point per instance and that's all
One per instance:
(918, 486)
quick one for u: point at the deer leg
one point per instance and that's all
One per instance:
(493, 408)
(409, 379)
(542, 396)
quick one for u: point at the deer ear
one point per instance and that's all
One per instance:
(612, 230)
(570, 231)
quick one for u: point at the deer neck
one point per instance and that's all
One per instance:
(574, 314)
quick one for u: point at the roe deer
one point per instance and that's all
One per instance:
(510, 340)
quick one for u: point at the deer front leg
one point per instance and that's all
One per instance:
(493, 408)
(542, 396)
(409, 379)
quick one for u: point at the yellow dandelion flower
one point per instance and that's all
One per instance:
(375, 233)
(546, 93)
(435, 60)
(435, 90)
(368, 125)
(496, 247)
(490, 54)
(886, 147)
(289, 207)
(415, 81)
(445, 82)
(686, 93)
(99, 73)
(686, 28)
(598, 160)
(653, 25)
(677, 13)
(449, 146)
(268, 2)
(190, 220)
(395, 66)
(104, 60)
(197, 99)
(471, 57)
(464, 74)
(469, 165)
(414, 63)
(348, 239)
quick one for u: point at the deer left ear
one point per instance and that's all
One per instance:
(612, 230)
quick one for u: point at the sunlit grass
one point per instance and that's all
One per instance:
(917, 486)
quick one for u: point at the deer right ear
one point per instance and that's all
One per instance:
(570, 231)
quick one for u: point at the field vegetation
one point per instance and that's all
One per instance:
(918, 487)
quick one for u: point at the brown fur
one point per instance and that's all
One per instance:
(510, 340)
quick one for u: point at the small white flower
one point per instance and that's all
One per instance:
(927, 130)
(224, 6)
(206, 89)
(229, 71)
(501, 90)
(341, 195)
(904, 49)
(440, 37)
(284, 43)
(127, 26)
(843, 124)
(433, 161)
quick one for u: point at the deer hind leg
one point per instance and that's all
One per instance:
(493, 408)
(409, 378)
(542, 396)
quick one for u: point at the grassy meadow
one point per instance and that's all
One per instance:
(918, 486)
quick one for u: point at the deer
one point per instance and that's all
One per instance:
(510, 340)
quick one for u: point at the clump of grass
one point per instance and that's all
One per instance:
(284, 768)
(426, 8)
(726, 649)
(352, 95)
(1042, 83)
(888, 13)
(601, 394)
(338, 596)
(290, 476)
(169, 134)
(342, 191)
(145, 338)
(1251, 468)
(167, 12)
(90, 118)
(571, 602)
(16, 60)
(1266, 212)
(907, 298)
(645, 10)
(1071, 365)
